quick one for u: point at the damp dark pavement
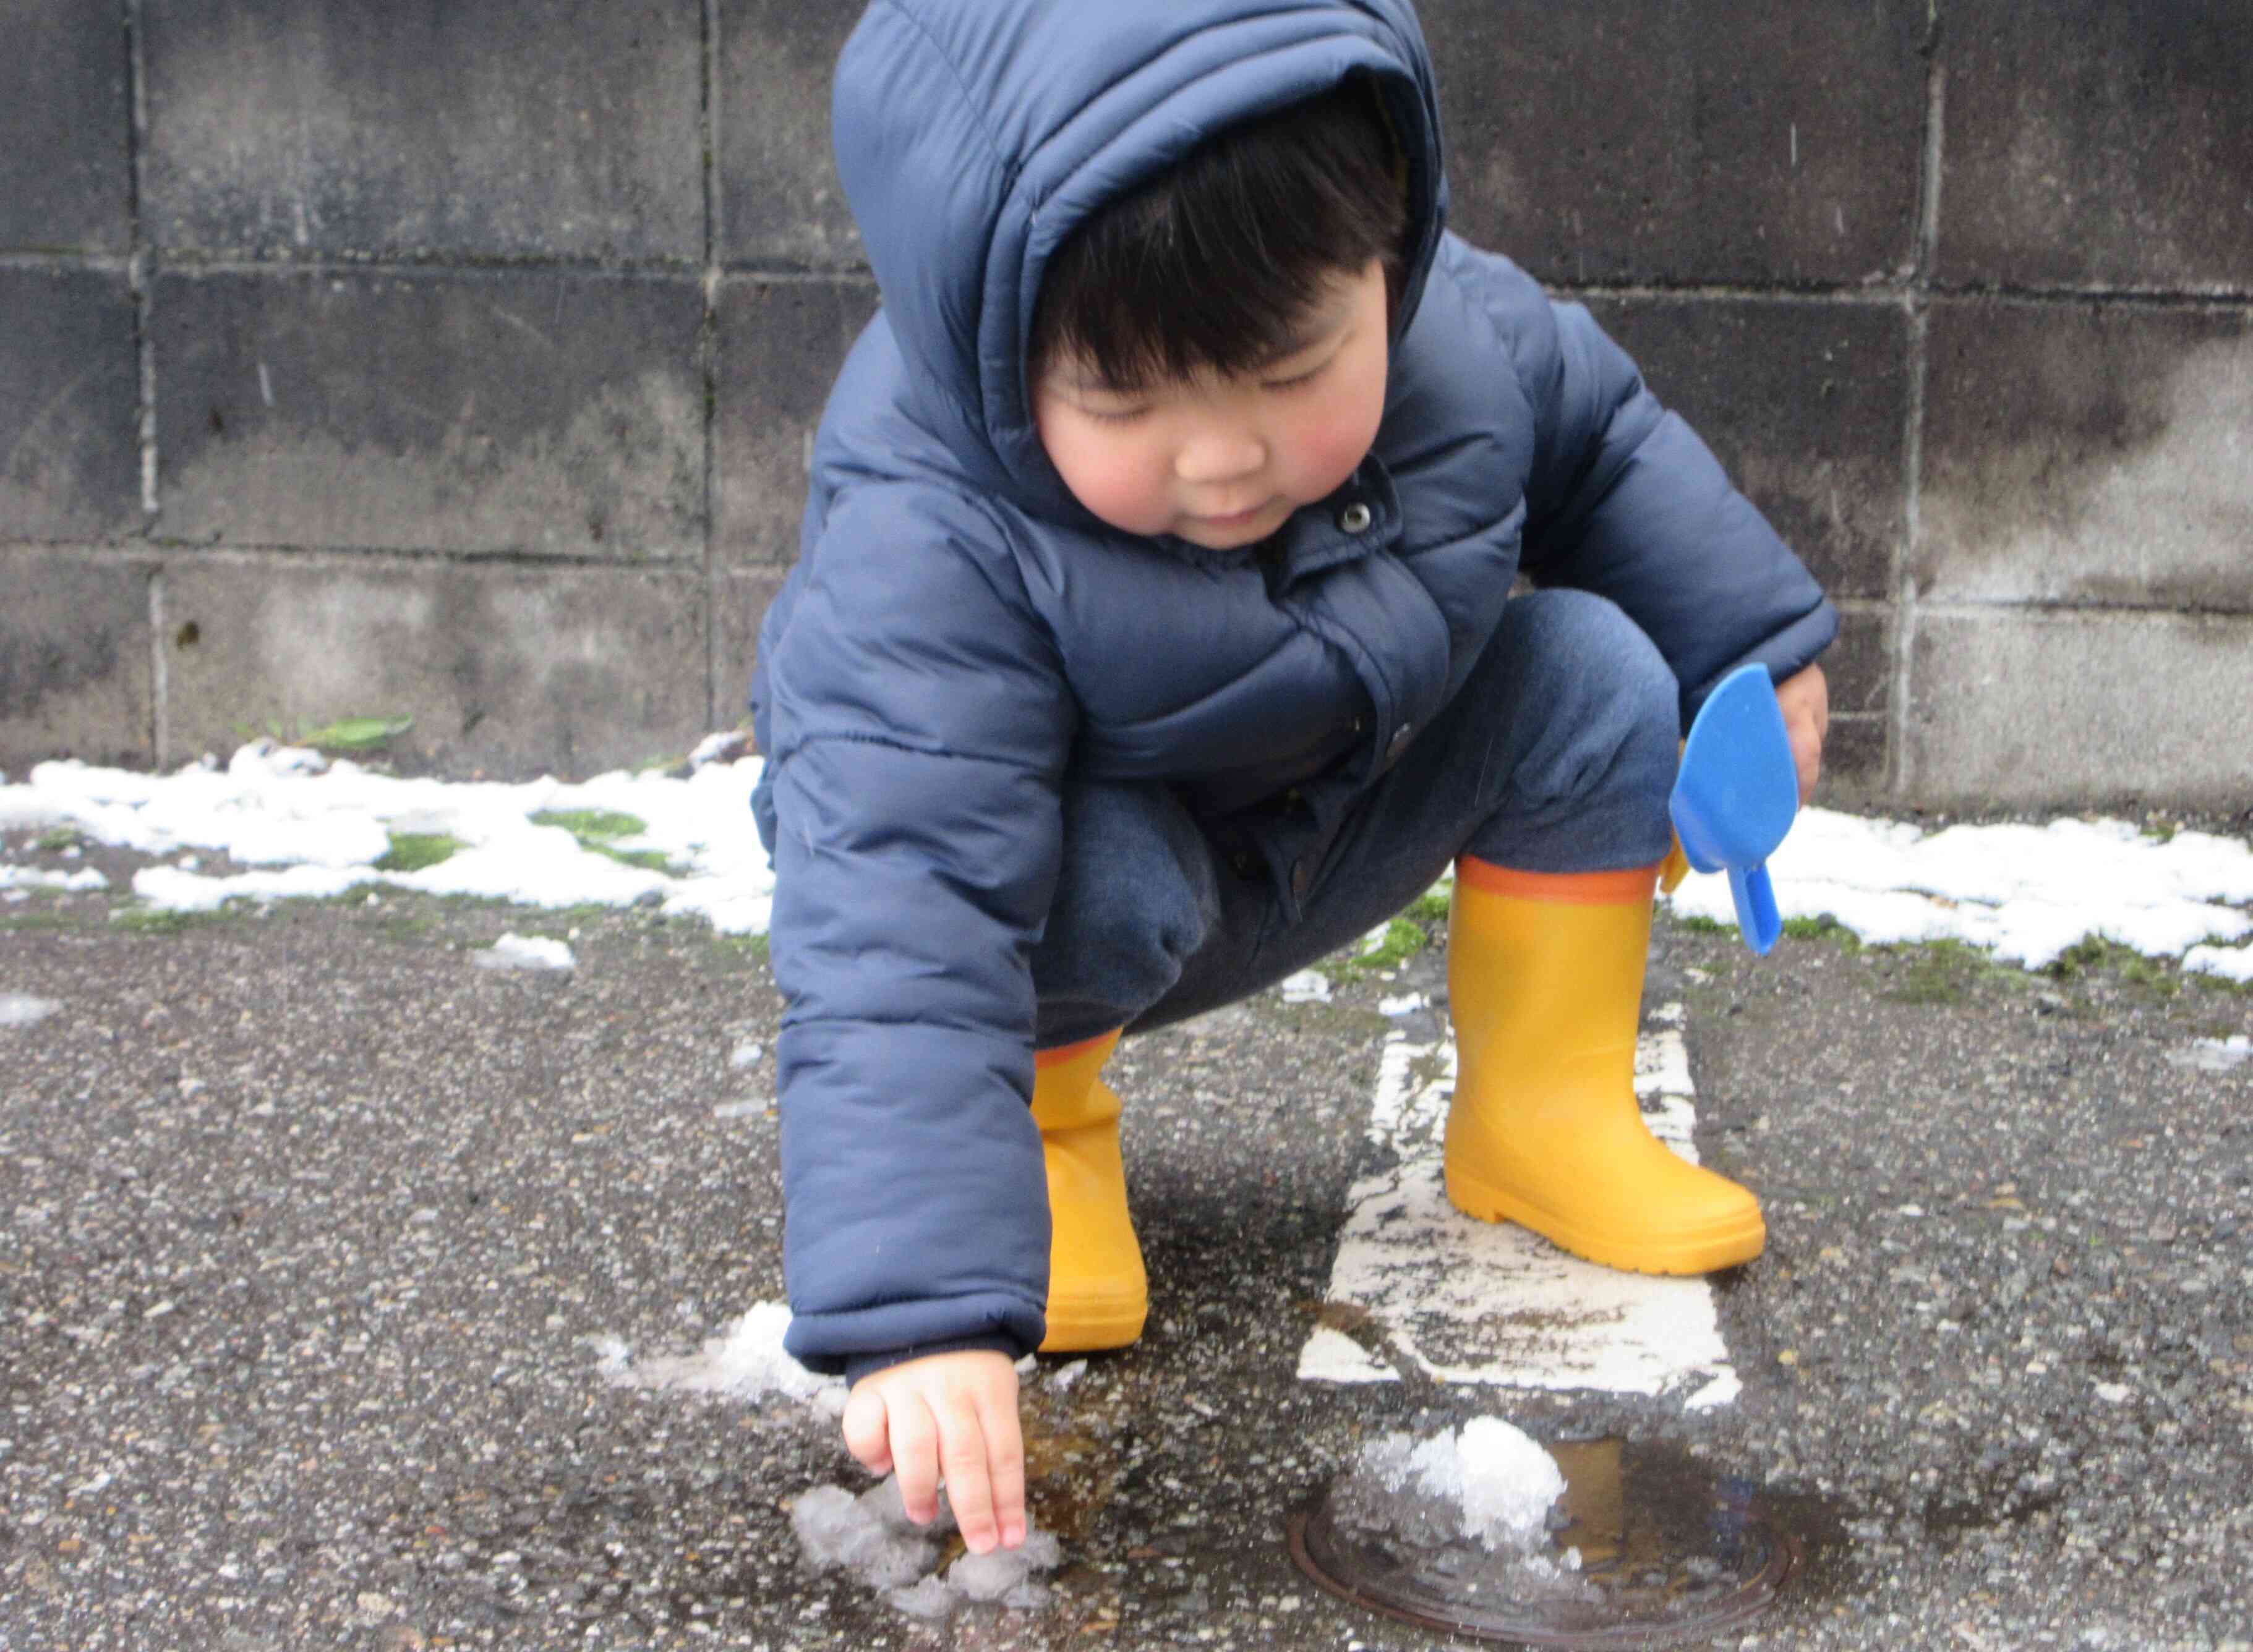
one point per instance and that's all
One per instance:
(309, 1232)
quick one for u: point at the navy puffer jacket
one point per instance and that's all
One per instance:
(959, 634)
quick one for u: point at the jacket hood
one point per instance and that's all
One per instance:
(973, 135)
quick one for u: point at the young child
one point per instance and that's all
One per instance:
(1152, 637)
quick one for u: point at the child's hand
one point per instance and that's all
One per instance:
(954, 1414)
(1805, 699)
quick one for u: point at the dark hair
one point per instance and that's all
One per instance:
(1212, 264)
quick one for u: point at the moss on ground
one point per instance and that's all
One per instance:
(145, 920)
(1825, 928)
(412, 851)
(592, 823)
(1948, 972)
(599, 829)
(2093, 956)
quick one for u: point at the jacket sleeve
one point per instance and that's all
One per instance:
(920, 725)
(1625, 500)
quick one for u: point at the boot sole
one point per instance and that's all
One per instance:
(1726, 1246)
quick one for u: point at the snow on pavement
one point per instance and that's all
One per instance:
(2026, 893)
(312, 828)
(304, 825)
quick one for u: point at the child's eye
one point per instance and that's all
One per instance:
(1114, 416)
(1297, 380)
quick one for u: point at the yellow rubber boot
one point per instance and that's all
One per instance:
(1546, 975)
(1098, 1294)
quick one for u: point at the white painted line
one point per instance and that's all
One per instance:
(1491, 1304)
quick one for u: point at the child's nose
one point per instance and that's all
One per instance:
(1220, 454)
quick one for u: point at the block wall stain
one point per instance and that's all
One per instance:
(2096, 457)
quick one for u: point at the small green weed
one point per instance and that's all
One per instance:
(599, 831)
(1825, 928)
(357, 734)
(1948, 972)
(1431, 907)
(592, 823)
(647, 860)
(412, 851)
(1404, 938)
(2207, 983)
(149, 920)
(2093, 954)
(36, 919)
(1697, 923)
(57, 840)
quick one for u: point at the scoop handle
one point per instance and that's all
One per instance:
(1757, 920)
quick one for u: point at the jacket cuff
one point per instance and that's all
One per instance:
(860, 1365)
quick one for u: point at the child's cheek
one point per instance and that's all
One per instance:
(1107, 475)
(1337, 442)
(1123, 494)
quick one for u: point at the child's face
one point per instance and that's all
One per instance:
(1222, 462)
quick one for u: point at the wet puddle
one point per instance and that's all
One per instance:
(1655, 1549)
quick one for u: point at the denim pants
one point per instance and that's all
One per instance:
(1557, 756)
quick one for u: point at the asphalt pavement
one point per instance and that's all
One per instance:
(312, 1233)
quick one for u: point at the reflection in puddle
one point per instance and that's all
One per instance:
(1667, 1553)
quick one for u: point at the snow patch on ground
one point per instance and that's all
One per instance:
(21, 1009)
(745, 1363)
(2025, 892)
(2231, 963)
(30, 877)
(310, 828)
(525, 951)
(2214, 1055)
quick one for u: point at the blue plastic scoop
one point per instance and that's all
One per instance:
(1736, 794)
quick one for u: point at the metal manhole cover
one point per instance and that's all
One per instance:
(1667, 1553)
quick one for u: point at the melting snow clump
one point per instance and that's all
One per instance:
(872, 1536)
(1308, 986)
(525, 951)
(1473, 1507)
(1490, 1484)
(869, 1534)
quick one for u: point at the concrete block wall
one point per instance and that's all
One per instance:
(458, 358)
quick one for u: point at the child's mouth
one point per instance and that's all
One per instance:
(1233, 520)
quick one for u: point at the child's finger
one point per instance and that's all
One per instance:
(868, 1436)
(969, 1488)
(915, 1455)
(1005, 1460)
